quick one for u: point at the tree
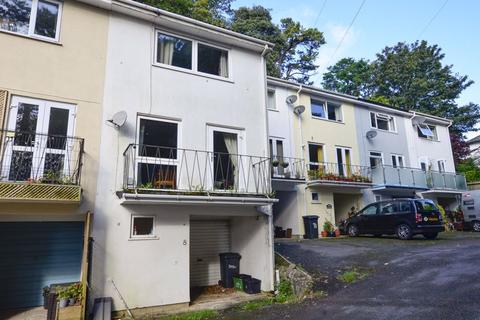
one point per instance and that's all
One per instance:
(296, 47)
(349, 76)
(460, 148)
(470, 169)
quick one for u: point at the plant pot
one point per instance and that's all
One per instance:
(63, 303)
(324, 234)
(337, 233)
(72, 301)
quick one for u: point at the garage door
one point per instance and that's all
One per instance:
(34, 255)
(207, 240)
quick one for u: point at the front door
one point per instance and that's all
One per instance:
(37, 144)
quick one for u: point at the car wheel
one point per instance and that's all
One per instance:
(430, 236)
(404, 232)
(353, 230)
(476, 226)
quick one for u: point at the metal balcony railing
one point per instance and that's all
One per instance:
(162, 169)
(40, 158)
(417, 178)
(288, 168)
(339, 172)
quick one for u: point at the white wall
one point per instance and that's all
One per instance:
(433, 150)
(156, 272)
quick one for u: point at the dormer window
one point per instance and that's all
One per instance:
(35, 18)
(382, 121)
(427, 131)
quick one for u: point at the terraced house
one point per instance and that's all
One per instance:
(341, 153)
(51, 92)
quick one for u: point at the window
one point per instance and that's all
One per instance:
(344, 161)
(315, 154)
(370, 210)
(382, 121)
(427, 131)
(315, 197)
(424, 164)
(174, 51)
(179, 52)
(378, 198)
(389, 207)
(212, 60)
(376, 159)
(276, 152)
(404, 206)
(425, 206)
(271, 103)
(37, 18)
(397, 161)
(142, 227)
(327, 110)
(441, 165)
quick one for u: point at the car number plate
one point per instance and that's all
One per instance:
(433, 219)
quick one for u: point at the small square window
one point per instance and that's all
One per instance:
(315, 197)
(212, 60)
(142, 227)
(334, 111)
(174, 51)
(318, 108)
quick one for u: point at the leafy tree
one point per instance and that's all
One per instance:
(296, 47)
(470, 169)
(460, 148)
(349, 76)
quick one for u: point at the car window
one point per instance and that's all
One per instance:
(404, 206)
(390, 207)
(370, 210)
(425, 206)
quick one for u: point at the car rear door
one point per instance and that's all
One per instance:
(428, 213)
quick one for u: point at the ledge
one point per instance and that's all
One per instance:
(38, 192)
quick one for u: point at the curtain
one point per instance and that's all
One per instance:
(223, 68)
(165, 50)
(232, 147)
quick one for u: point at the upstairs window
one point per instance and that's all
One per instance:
(382, 121)
(212, 60)
(441, 165)
(271, 99)
(397, 161)
(376, 159)
(174, 51)
(316, 156)
(36, 18)
(427, 131)
(326, 110)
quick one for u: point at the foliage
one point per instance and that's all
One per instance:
(460, 148)
(410, 76)
(469, 169)
(195, 315)
(256, 304)
(352, 275)
(285, 292)
(295, 47)
(328, 226)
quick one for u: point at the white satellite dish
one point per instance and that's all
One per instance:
(371, 134)
(418, 120)
(298, 110)
(118, 119)
(291, 99)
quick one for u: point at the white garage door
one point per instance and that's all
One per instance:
(208, 238)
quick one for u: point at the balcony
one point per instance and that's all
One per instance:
(38, 167)
(287, 168)
(172, 175)
(414, 178)
(342, 175)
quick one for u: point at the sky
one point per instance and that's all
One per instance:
(452, 24)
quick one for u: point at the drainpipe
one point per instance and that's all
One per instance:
(302, 151)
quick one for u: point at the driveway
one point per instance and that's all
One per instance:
(417, 279)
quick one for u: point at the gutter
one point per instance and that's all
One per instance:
(184, 199)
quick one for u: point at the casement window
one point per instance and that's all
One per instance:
(424, 164)
(142, 227)
(277, 154)
(427, 131)
(188, 54)
(35, 18)
(271, 103)
(344, 161)
(326, 110)
(397, 161)
(382, 121)
(441, 165)
(316, 156)
(157, 153)
(376, 159)
(315, 197)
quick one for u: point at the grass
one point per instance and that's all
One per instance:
(195, 315)
(352, 275)
(257, 304)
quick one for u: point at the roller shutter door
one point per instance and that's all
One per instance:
(207, 240)
(34, 255)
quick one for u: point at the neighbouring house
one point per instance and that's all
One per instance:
(474, 147)
(184, 166)
(51, 92)
(353, 152)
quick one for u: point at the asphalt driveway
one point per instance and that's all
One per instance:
(417, 279)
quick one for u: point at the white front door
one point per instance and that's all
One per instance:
(37, 143)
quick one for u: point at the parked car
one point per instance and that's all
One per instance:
(471, 210)
(402, 217)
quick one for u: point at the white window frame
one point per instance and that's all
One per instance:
(274, 108)
(426, 161)
(194, 69)
(278, 171)
(343, 153)
(153, 160)
(443, 163)
(324, 103)
(318, 197)
(33, 20)
(424, 127)
(143, 237)
(377, 157)
(318, 164)
(397, 158)
(391, 120)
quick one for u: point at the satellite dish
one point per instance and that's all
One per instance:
(291, 99)
(298, 110)
(118, 119)
(371, 134)
(418, 120)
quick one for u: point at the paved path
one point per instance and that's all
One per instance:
(417, 279)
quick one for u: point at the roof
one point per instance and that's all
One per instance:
(474, 140)
(178, 22)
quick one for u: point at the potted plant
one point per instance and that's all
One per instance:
(63, 296)
(327, 228)
(284, 165)
(275, 163)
